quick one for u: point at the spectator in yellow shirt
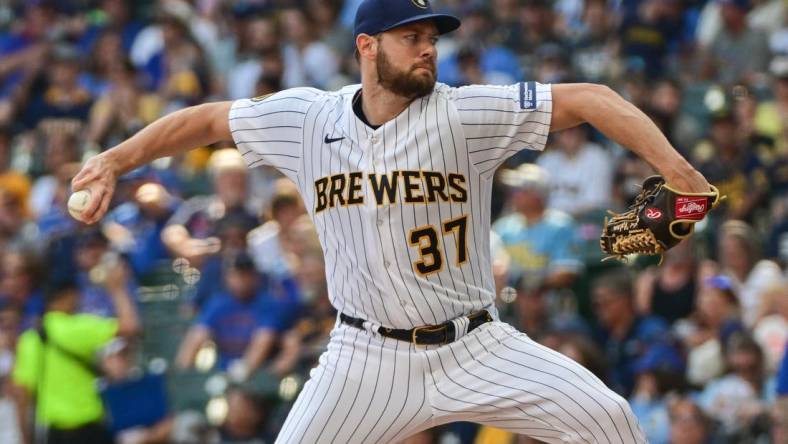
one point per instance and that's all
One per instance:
(56, 364)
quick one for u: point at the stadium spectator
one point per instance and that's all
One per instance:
(659, 372)
(593, 44)
(768, 119)
(740, 257)
(10, 322)
(665, 109)
(718, 318)
(737, 399)
(15, 227)
(260, 39)
(244, 321)
(623, 334)
(55, 223)
(59, 96)
(190, 233)
(303, 343)
(668, 291)
(540, 241)
(117, 18)
(107, 56)
(646, 37)
(94, 258)
(580, 173)
(272, 244)
(689, 424)
(464, 55)
(738, 52)
(733, 167)
(307, 61)
(134, 227)
(23, 50)
(56, 364)
(136, 401)
(771, 327)
(173, 63)
(232, 231)
(536, 22)
(19, 289)
(123, 108)
(61, 148)
(581, 348)
(310, 270)
(246, 418)
(531, 308)
(324, 15)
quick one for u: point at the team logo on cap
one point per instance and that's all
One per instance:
(423, 4)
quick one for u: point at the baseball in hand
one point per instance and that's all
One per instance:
(78, 202)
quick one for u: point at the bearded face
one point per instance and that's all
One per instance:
(417, 81)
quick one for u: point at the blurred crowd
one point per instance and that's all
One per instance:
(199, 303)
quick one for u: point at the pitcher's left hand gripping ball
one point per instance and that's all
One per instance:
(658, 219)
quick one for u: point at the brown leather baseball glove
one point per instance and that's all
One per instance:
(658, 219)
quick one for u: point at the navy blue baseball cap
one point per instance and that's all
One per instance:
(376, 16)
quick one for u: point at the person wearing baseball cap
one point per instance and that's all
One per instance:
(376, 16)
(403, 123)
(401, 66)
(540, 241)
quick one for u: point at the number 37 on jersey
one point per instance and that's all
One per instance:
(418, 187)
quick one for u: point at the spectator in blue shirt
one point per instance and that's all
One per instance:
(136, 400)
(117, 16)
(624, 336)
(659, 371)
(231, 230)
(135, 226)
(541, 242)
(22, 49)
(243, 320)
(92, 256)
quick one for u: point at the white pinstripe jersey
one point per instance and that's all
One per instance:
(402, 211)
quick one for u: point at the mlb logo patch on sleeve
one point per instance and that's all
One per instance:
(527, 95)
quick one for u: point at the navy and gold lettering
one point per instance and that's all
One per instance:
(342, 189)
(353, 197)
(336, 196)
(320, 194)
(433, 188)
(411, 186)
(387, 185)
(456, 183)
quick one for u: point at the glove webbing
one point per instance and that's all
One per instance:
(636, 240)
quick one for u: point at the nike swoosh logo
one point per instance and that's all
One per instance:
(329, 140)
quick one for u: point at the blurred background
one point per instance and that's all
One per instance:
(215, 278)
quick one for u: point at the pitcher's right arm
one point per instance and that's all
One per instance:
(173, 134)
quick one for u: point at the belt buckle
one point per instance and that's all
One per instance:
(483, 313)
(429, 329)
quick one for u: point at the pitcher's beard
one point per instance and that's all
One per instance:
(405, 84)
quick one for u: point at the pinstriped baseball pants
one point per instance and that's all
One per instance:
(370, 389)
